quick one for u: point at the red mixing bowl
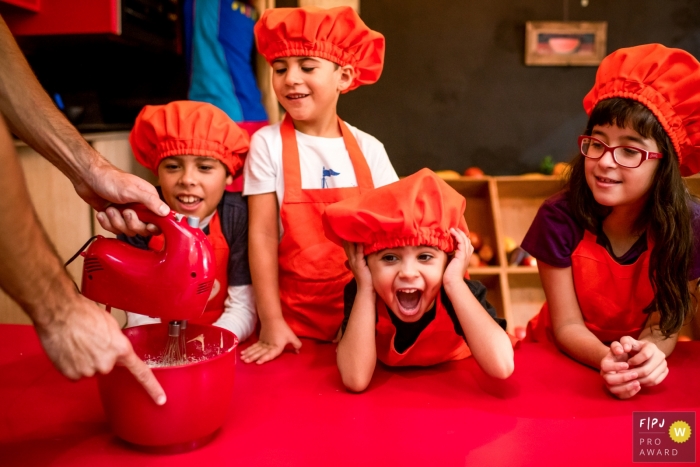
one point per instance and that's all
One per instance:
(199, 394)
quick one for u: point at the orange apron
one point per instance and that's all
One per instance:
(215, 305)
(611, 296)
(437, 343)
(312, 273)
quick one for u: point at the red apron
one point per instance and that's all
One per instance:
(436, 344)
(312, 274)
(215, 305)
(611, 296)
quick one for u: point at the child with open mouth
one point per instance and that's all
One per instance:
(409, 303)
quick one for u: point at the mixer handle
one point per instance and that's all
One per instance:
(144, 214)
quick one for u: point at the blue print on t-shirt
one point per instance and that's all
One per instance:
(327, 173)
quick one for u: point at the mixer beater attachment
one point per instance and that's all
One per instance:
(175, 352)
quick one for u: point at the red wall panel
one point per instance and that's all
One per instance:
(66, 17)
(32, 5)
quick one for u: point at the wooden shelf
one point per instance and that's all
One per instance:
(485, 271)
(499, 207)
(520, 270)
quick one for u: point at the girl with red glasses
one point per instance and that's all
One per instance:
(618, 249)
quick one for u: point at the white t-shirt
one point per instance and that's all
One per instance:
(324, 162)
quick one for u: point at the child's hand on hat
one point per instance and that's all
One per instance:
(457, 267)
(358, 265)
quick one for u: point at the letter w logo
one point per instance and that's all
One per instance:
(680, 432)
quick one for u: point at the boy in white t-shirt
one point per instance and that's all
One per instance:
(298, 167)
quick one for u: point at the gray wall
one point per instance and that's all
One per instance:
(455, 91)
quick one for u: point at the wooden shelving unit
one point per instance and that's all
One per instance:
(499, 207)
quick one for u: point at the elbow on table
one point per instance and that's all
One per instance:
(356, 383)
(505, 369)
(501, 369)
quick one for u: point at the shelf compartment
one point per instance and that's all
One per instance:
(519, 201)
(479, 213)
(526, 298)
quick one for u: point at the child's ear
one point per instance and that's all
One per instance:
(347, 76)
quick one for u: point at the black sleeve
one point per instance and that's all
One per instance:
(349, 294)
(233, 215)
(138, 241)
(479, 291)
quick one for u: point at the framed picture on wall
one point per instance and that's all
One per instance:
(565, 43)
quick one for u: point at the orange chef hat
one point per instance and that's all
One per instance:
(335, 34)
(417, 210)
(667, 82)
(187, 128)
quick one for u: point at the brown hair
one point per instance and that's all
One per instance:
(666, 216)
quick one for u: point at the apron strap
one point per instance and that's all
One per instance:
(291, 165)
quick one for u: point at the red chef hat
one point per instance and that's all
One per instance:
(417, 210)
(187, 128)
(335, 34)
(667, 82)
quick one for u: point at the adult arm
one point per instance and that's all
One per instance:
(79, 337)
(32, 116)
(263, 242)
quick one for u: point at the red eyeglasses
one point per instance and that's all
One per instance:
(625, 156)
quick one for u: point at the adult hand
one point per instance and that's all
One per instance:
(126, 222)
(457, 267)
(85, 340)
(106, 184)
(274, 338)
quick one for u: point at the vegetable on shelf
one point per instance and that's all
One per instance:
(560, 169)
(448, 174)
(475, 238)
(520, 257)
(483, 252)
(547, 165)
(509, 245)
(474, 172)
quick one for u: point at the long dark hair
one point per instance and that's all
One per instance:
(666, 216)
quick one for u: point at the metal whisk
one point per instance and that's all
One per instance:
(175, 346)
(183, 339)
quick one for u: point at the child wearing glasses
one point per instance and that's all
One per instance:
(617, 248)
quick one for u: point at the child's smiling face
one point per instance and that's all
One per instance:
(308, 87)
(408, 278)
(613, 185)
(193, 185)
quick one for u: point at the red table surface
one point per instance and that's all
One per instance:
(294, 411)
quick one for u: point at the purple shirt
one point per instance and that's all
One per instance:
(555, 234)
